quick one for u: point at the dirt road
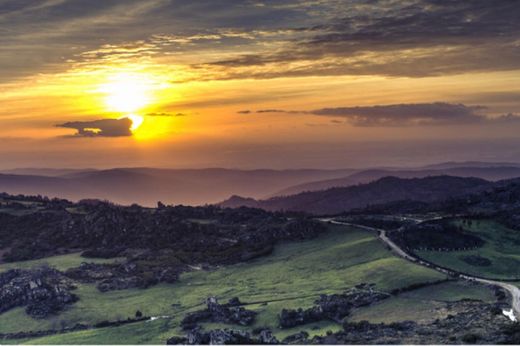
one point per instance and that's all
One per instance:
(512, 289)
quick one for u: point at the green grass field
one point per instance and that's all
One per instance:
(502, 248)
(293, 276)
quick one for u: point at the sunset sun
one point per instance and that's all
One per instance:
(137, 120)
(127, 93)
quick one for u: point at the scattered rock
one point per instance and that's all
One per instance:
(220, 313)
(43, 291)
(298, 338)
(223, 337)
(468, 321)
(332, 307)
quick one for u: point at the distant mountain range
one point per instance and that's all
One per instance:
(385, 190)
(147, 186)
(492, 173)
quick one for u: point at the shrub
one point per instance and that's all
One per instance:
(470, 338)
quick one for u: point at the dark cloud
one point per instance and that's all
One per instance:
(40, 35)
(263, 111)
(274, 110)
(159, 114)
(101, 128)
(439, 113)
(408, 38)
(418, 114)
(338, 37)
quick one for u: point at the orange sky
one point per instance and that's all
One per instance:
(247, 85)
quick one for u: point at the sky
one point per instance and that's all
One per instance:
(258, 83)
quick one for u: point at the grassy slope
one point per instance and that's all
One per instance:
(293, 276)
(425, 304)
(62, 262)
(502, 248)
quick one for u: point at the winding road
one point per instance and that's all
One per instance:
(512, 289)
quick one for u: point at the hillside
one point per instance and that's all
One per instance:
(490, 172)
(384, 190)
(292, 277)
(105, 272)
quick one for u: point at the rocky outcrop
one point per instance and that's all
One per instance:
(42, 291)
(300, 338)
(224, 337)
(230, 313)
(471, 322)
(333, 307)
(131, 274)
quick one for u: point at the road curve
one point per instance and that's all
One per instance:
(512, 289)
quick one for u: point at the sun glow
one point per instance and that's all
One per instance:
(127, 93)
(137, 121)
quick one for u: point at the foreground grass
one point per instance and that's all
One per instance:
(502, 248)
(293, 276)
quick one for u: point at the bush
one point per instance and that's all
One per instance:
(470, 338)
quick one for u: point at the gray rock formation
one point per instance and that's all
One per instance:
(42, 291)
(229, 313)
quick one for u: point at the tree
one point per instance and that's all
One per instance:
(138, 314)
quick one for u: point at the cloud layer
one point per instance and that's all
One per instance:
(225, 39)
(406, 114)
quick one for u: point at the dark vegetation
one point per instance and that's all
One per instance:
(379, 222)
(179, 234)
(435, 235)
(477, 260)
(499, 201)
